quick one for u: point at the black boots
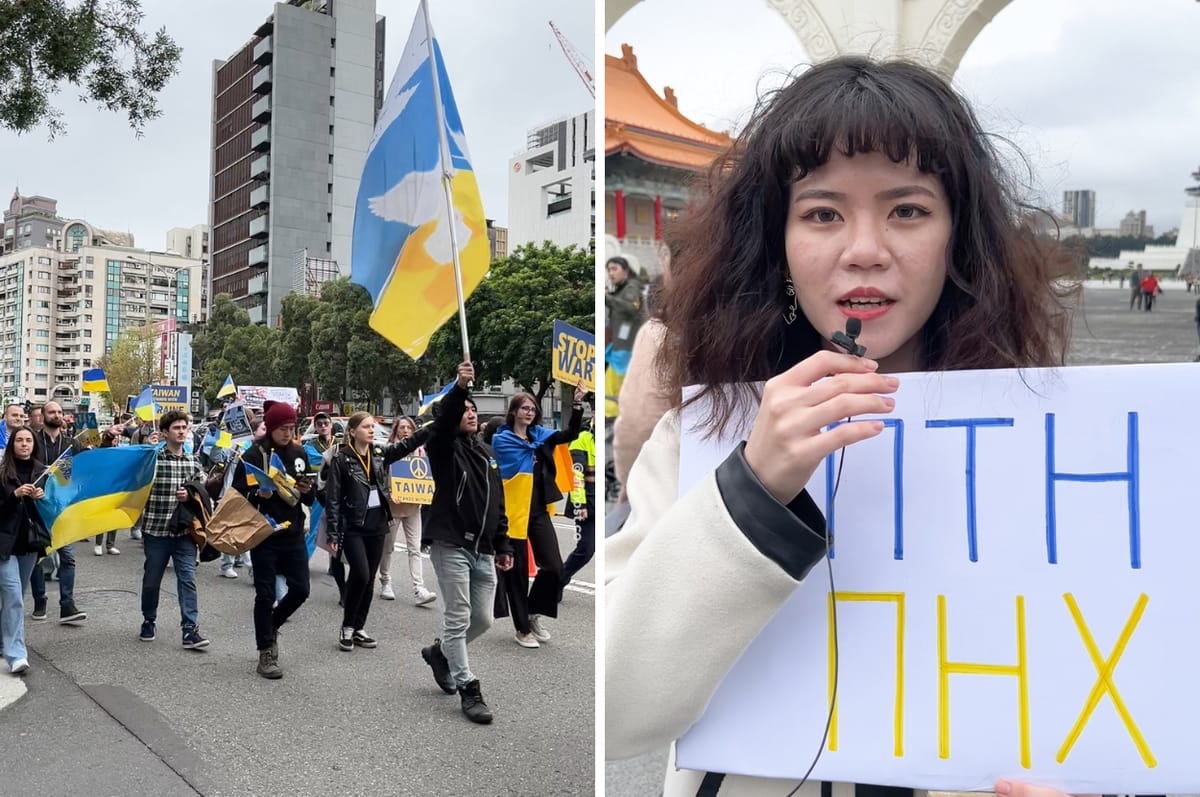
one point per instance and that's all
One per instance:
(473, 705)
(441, 668)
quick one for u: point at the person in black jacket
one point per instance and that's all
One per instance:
(357, 513)
(18, 547)
(49, 444)
(468, 534)
(284, 552)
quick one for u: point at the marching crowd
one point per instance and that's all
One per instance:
(492, 492)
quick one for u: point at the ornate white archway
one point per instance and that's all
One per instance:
(934, 32)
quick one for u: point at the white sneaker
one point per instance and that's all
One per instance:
(19, 666)
(536, 630)
(424, 597)
(112, 551)
(387, 593)
(98, 550)
(229, 572)
(526, 640)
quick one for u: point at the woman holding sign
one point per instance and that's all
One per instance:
(357, 513)
(525, 451)
(405, 516)
(861, 197)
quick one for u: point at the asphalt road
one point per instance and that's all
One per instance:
(104, 714)
(1104, 332)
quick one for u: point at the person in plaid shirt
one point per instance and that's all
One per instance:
(175, 468)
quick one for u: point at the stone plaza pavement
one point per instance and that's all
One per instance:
(104, 714)
(1105, 332)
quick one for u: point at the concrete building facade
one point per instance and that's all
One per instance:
(65, 299)
(191, 242)
(293, 115)
(552, 185)
(1080, 208)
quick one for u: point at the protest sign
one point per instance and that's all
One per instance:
(89, 430)
(574, 358)
(235, 422)
(412, 481)
(170, 397)
(1015, 595)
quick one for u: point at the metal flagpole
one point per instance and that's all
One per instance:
(447, 175)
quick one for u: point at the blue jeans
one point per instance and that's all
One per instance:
(468, 585)
(66, 577)
(14, 575)
(183, 552)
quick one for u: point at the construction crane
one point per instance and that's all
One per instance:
(577, 60)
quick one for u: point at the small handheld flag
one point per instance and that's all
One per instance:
(257, 477)
(94, 381)
(144, 407)
(427, 403)
(227, 389)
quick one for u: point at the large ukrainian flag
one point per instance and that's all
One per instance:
(99, 490)
(402, 251)
(515, 459)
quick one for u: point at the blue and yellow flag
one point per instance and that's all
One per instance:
(257, 477)
(94, 381)
(515, 459)
(144, 405)
(402, 252)
(96, 491)
(227, 389)
(428, 402)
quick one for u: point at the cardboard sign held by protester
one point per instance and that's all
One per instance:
(89, 430)
(412, 481)
(1013, 594)
(574, 359)
(235, 422)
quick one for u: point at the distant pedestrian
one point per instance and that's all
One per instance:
(1135, 288)
(406, 518)
(1149, 290)
(19, 548)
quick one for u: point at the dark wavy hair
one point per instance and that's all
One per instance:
(724, 303)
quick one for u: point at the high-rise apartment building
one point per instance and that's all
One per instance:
(552, 184)
(68, 289)
(293, 115)
(1134, 225)
(1080, 208)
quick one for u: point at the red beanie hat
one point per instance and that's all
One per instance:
(279, 414)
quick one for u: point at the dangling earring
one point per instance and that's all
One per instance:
(791, 305)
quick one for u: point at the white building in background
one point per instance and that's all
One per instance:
(62, 307)
(1080, 208)
(190, 242)
(552, 185)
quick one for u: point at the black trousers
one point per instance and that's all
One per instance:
(543, 595)
(362, 553)
(271, 559)
(585, 549)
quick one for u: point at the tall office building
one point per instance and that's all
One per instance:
(293, 115)
(69, 289)
(552, 184)
(1080, 208)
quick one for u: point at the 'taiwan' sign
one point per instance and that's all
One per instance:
(412, 481)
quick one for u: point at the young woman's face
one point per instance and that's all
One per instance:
(23, 444)
(867, 238)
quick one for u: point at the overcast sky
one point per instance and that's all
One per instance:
(1099, 94)
(505, 66)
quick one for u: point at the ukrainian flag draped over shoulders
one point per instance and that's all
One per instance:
(402, 251)
(515, 458)
(95, 491)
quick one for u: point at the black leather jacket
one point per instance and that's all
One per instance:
(347, 490)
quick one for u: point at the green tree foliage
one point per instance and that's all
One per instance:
(510, 316)
(94, 45)
(132, 363)
(291, 358)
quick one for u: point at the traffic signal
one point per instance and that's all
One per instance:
(28, 407)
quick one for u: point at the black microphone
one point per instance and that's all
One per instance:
(848, 340)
